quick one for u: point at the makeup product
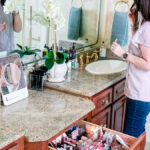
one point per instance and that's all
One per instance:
(75, 134)
(121, 141)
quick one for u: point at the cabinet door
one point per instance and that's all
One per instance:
(118, 114)
(103, 118)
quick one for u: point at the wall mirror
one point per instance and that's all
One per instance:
(37, 37)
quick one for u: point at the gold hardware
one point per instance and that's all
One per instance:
(36, 39)
(87, 58)
(81, 63)
(107, 102)
(122, 1)
(95, 55)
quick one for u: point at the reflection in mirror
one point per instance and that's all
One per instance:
(87, 25)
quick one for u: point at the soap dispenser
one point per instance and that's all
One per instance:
(102, 51)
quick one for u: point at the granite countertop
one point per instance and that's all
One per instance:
(41, 116)
(82, 83)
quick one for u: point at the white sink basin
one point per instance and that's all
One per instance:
(106, 67)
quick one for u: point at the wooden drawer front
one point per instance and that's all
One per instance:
(119, 90)
(102, 100)
(103, 118)
(16, 145)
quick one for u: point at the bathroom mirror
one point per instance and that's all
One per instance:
(89, 28)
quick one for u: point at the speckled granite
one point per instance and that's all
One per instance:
(83, 83)
(41, 116)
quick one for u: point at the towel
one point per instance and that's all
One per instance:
(120, 28)
(74, 25)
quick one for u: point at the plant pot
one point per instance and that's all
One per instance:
(57, 73)
(28, 58)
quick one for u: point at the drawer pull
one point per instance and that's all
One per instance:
(13, 147)
(104, 102)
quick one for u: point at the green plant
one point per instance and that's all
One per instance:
(50, 60)
(25, 51)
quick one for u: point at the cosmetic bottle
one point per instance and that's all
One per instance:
(75, 64)
(61, 49)
(102, 51)
(45, 51)
(69, 59)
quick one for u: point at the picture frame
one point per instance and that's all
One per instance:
(13, 86)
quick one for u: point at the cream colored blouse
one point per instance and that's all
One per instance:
(138, 81)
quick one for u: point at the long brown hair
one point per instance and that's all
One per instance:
(142, 6)
(3, 2)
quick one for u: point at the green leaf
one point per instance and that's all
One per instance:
(61, 57)
(36, 50)
(19, 46)
(51, 55)
(27, 50)
(18, 52)
(49, 63)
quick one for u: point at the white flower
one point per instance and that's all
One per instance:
(58, 18)
(12, 6)
(50, 11)
(40, 18)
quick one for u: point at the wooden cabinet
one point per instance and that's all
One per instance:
(110, 106)
(118, 115)
(16, 145)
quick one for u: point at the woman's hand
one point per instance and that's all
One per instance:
(2, 27)
(132, 16)
(117, 49)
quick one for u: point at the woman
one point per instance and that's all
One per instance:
(137, 88)
(8, 24)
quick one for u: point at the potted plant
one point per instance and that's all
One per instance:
(51, 16)
(26, 53)
(57, 67)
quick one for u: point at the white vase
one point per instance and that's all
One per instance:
(28, 58)
(57, 73)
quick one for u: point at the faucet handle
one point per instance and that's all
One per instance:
(87, 58)
(81, 63)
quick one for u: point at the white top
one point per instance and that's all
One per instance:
(138, 81)
(7, 35)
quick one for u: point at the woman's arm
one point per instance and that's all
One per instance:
(2, 27)
(141, 63)
(17, 23)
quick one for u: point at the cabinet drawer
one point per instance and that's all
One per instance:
(103, 118)
(132, 142)
(16, 145)
(119, 90)
(102, 100)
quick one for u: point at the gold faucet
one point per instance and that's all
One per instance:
(87, 58)
(95, 56)
(81, 63)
